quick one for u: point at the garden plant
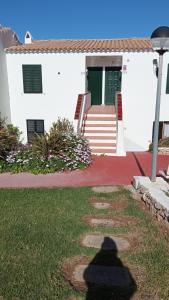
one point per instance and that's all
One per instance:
(57, 150)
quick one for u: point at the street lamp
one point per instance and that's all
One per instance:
(160, 44)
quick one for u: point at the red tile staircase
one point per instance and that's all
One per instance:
(100, 128)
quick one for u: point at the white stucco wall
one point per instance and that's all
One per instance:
(7, 39)
(4, 94)
(60, 91)
(139, 96)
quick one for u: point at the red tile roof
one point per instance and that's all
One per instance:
(4, 29)
(131, 44)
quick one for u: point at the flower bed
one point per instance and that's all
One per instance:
(26, 160)
(57, 150)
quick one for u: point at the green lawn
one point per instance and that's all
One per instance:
(40, 228)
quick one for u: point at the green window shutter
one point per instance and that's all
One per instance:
(32, 79)
(167, 85)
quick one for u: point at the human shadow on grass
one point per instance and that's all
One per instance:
(104, 282)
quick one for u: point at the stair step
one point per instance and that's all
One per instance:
(100, 130)
(101, 122)
(92, 137)
(103, 150)
(94, 118)
(100, 126)
(103, 144)
(101, 116)
(98, 134)
(102, 109)
(101, 141)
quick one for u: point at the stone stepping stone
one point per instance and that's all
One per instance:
(101, 205)
(118, 203)
(105, 189)
(111, 276)
(106, 222)
(114, 222)
(102, 242)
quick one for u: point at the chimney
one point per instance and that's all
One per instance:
(28, 38)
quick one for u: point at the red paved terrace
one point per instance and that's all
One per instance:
(103, 171)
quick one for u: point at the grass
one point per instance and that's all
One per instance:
(40, 228)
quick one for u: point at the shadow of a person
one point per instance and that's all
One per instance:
(106, 277)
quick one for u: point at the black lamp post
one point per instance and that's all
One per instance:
(160, 44)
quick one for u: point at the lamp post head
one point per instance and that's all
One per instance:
(160, 39)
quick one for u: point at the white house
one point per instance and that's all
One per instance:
(114, 82)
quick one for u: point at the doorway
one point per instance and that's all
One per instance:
(103, 83)
(112, 84)
(95, 84)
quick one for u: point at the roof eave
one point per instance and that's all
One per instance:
(12, 51)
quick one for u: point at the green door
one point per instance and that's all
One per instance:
(95, 84)
(112, 84)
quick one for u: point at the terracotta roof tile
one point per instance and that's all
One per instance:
(4, 29)
(131, 44)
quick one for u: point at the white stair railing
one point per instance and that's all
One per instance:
(86, 103)
(120, 151)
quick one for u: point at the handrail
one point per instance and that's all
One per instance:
(120, 149)
(85, 104)
(119, 109)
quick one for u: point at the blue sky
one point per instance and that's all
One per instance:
(55, 19)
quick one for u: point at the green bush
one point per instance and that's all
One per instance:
(162, 143)
(9, 138)
(60, 129)
(54, 141)
(61, 126)
(40, 145)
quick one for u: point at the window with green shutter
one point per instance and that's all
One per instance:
(32, 79)
(167, 85)
(34, 127)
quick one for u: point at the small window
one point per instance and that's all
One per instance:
(167, 84)
(163, 130)
(166, 129)
(32, 79)
(160, 131)
(34, 127)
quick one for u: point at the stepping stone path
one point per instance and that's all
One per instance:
(105, 189)
(103, 275)
(103, 242)
(99, 272)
